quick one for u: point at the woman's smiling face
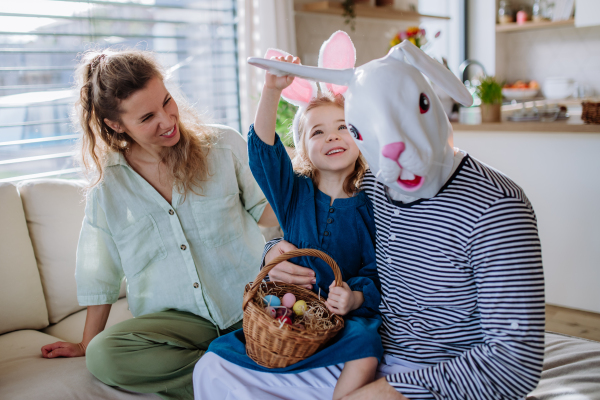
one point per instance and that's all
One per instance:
(150, 116)
(329, 144)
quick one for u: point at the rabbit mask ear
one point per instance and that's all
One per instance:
(301, 91)
(432, 69)
(337, 52)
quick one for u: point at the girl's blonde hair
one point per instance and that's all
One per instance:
(104, 80)
(302, 163)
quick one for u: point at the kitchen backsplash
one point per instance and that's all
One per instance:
(562, 52)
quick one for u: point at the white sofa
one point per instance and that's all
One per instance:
(39, 228)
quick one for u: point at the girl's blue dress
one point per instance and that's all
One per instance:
(345, 230)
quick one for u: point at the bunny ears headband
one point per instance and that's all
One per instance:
(337, 52)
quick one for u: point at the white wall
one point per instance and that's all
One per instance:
(482, 33)
(559, 173)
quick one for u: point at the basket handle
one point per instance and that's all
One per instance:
(286, 256)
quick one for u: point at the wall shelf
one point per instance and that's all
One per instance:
(363, 10)
(530, 25)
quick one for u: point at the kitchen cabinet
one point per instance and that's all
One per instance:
(557, 171)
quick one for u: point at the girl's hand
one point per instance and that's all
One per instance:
(342, 299)
(286, 271)
(63, 349)
(279, 83)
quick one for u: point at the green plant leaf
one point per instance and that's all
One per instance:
(283, 124)
(489, 91)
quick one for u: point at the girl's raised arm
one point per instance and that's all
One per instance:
(266, 115)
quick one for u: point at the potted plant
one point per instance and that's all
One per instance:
(285, 117)
(490, 92)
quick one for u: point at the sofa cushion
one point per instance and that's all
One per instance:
(21, 295)
(25, 375)
(571, 369)
(54, 209)
(70, 329)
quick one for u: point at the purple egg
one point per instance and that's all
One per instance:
(283, 311)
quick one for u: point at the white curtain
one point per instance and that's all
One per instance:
(262, 24)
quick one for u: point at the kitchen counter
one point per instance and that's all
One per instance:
(574, 124)
(533, 126)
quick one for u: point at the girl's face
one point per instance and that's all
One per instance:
(329, 144)
(150, 116)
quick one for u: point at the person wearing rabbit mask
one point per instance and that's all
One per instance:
(458, 250)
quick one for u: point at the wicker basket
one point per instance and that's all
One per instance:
(269, 343)
(591, 112)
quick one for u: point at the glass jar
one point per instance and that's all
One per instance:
(538, 11)
(505, 14)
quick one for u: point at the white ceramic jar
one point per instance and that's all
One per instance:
(558, 88)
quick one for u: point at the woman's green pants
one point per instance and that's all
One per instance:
(154, 353)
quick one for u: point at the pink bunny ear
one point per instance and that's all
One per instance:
(337, 53)
(301, 91)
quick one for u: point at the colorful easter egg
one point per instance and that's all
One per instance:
(270, 300)
(283, 311)
(288, 300)
(285, 319)
(271, 311)
(299, 307)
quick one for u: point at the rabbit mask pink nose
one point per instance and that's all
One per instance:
(393, 151)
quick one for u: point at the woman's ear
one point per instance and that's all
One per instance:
(115, 126)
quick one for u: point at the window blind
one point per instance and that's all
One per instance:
(39, 45)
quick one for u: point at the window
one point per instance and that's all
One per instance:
(39, 44)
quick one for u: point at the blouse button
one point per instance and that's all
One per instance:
(396, 212)
(326, 233)
(389, 260)
(331, 210)
(392, 237)
(196, 285)
(171, 212)
(183, 247)
(329, 220)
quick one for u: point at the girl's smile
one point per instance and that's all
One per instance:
(329, 145)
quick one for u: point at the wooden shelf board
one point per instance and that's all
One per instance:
(530, 25)
(363, 10)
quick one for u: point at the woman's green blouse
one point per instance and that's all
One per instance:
(193, 255)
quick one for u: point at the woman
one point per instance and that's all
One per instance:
(174, 209)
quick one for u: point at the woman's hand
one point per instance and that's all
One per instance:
(378, 390)
(286, 271)
(342, 299)
(280, 82)
(63, 349)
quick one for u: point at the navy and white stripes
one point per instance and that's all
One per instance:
(462, 287)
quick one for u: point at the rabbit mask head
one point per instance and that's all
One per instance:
(338, 52)
(395, 116)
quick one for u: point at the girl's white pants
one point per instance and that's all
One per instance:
(217, 379)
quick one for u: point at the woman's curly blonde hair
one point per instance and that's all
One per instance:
(106, 78)
(302, 163)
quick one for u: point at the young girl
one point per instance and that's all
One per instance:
(319, 206)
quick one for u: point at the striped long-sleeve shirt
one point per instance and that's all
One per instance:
(462, 287)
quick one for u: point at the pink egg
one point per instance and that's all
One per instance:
(288, 300)
(271, 311)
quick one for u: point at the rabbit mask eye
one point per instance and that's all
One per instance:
(355, 133)
(423, 103)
